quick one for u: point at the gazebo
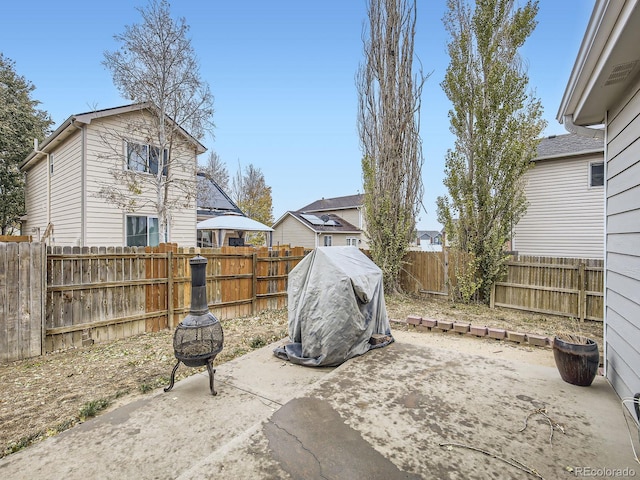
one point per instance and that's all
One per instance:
(229, 222)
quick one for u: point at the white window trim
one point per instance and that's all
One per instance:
(328, 238)
(148, 148)
(148, 217)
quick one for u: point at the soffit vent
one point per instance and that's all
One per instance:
(619, 73)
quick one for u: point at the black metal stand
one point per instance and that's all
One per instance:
(173, 377)
(210, 369)
(212, 372)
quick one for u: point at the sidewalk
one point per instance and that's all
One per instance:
(382, 415)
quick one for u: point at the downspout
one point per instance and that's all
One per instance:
(604, 266)
(597, 133)
(581, 130)
(35, 149)
(83, 182)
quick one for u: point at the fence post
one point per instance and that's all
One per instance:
(492, 298)
(445, 256)
(43, 296)
(170, 288)
(254, 283)
(582, 294)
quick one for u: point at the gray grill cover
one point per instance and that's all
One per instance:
(336, 303)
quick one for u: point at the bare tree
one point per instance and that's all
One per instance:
(156, 67)
(389, 123)
(215, 170)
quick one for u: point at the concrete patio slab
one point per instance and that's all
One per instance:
(423, 407)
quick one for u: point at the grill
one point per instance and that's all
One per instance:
(199, 337)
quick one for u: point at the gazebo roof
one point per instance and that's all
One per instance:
(233, 222)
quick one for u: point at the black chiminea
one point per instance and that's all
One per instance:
(199, 337)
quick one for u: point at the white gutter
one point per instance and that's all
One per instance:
(581, 130)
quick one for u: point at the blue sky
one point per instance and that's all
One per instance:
(283, 76)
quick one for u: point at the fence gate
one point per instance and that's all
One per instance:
(21, 300)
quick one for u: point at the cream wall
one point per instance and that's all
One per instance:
(565, 216)
(83, 163)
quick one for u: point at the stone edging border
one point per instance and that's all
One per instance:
(433, 325)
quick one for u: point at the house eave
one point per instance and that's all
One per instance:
(607, 63)
(72, 123)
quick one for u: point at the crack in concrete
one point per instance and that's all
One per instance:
(301, 443)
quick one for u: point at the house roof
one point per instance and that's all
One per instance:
(568, 145)
(71, 124)
(430, 233)
(326, 223)
(336, 203)
(606, 64)
(220, 202)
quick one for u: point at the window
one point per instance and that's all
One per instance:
(327, 240)
(145, 158)
(596, 174)
(51, 158)
(352, 241)
(142, 231)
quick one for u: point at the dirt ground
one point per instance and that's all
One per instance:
(43, 396)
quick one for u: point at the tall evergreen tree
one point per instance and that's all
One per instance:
(497, 123)
(389, 124)
(21, 121)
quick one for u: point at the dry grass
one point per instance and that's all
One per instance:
(46, 395)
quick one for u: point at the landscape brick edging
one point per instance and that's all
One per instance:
(499, 334)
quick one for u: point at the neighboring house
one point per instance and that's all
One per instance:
(214, 204)
(429, 237)
(217, 202)
(66, 172)
(427, 241)
(325, 222)
(604, 89)
(565, 197)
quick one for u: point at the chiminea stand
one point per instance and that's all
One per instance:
(199, 337)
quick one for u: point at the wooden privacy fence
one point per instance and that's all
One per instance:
(21, 300)
(71, 296)
(569, 287)
(101, 294)
(431, 272)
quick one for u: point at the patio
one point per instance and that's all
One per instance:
(427, 406)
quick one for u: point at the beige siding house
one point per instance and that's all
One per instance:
(565, 196)
(327, 222)
(66, 172)
(604, 89)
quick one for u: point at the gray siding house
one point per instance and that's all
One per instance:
(604, 90)
(565, 196)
